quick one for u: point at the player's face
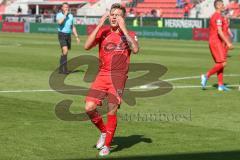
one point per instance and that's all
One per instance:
(220, 6)
(65, 8)
(114, 13)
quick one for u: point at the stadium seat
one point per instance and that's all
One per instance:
(167, 7)
(2, 9)
(90, 1)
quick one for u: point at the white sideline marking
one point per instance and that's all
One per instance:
(152, 85)
(40, 90)
(149, 86)
(195, 77)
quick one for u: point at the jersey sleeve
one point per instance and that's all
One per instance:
(219, 21)
(99, 36)
(133, 36)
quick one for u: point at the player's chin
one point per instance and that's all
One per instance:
(114, 25)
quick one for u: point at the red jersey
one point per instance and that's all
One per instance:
(114, 51)
(215, 22)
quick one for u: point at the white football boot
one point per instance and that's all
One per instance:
(101, 141)
(104, 151)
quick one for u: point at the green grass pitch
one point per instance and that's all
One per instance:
(192, 124)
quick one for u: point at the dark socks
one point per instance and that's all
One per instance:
(63, 64)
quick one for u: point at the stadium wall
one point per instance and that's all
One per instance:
(149, 32)
(130, 21)
(52, 28)
(163, 33)
(146, 31)
(151, 21)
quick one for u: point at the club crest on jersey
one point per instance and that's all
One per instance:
(109, 47)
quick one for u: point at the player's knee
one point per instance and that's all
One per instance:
(112, 112)
(224, 64)
(64, 50)
(90, 106)
(112, 109)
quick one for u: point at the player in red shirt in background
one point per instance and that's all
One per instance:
(216, 41)
(226, 30)
(115, 46)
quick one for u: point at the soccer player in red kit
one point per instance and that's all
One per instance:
(217, 39)
(115, 46)
(226, 30)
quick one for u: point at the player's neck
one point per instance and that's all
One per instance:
(218, 10)
(115, 29)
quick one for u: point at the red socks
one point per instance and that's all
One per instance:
(111, 127)
(215, 69)
(97, 120)
(220, 77)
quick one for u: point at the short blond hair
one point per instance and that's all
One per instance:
(119, 6)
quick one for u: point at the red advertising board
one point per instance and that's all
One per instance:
(13, 27)
(200, 34)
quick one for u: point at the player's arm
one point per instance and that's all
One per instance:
(61, 20)
(131, 41)
(230, 33)
(90, 42)
(224, 38)
(75, 34)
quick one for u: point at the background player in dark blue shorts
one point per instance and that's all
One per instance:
(66, 27)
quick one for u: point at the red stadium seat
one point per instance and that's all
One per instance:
(2, 9)
(167, 7)
(90, 1)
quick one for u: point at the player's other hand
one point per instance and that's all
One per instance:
(78, 40)
(121, 23)
(230, 46)
(103, 18)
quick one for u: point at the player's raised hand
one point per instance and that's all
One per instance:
(103, 18)
(121, 23)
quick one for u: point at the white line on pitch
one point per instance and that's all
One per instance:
(195, 77)
(152, 87)
(41, 90)
(142, 88)
(149, 86)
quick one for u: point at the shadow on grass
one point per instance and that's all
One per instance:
(225, 155)
(226, 84)
(128, 142)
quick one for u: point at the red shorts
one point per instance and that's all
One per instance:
(218, 52)
(110, 87)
